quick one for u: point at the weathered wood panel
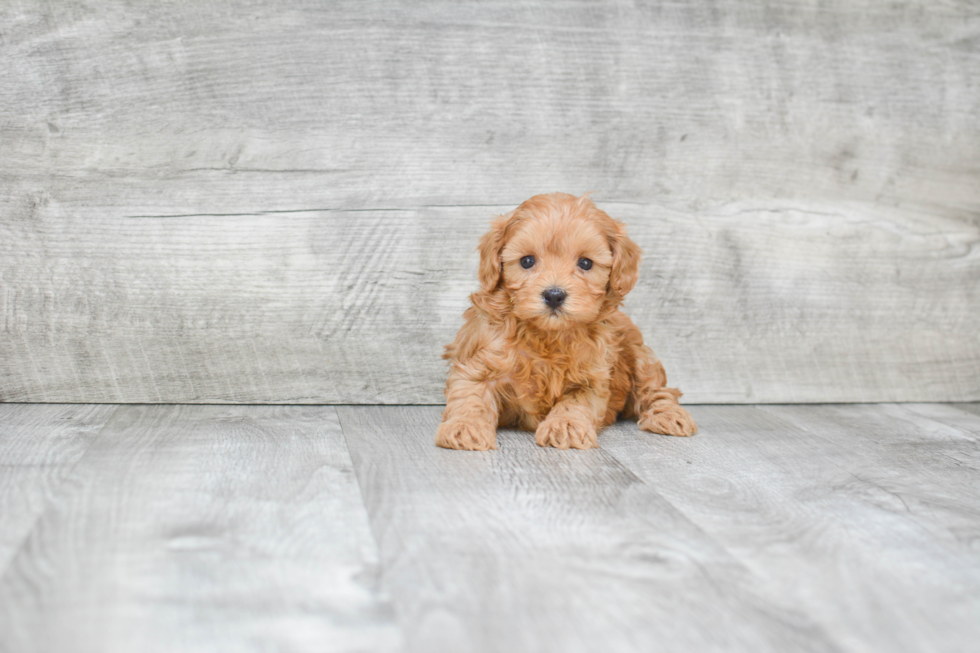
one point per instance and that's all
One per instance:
(39, 444)
(355, 307)
(202, 528)
(278, 202)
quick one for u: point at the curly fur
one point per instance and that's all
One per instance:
(563, 373)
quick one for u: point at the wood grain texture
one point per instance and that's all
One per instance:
(864, 516)
(962, 416)
(243, 528)
(202, 529)
(39, 444)
(930, 464)
(355, 307)
(280, 202)
(533, 549)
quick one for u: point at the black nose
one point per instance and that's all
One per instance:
(554, 297)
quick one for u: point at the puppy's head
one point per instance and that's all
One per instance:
(560, 259)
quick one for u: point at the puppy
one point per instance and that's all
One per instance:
(544, 346)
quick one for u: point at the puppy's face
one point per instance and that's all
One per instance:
(560, 259)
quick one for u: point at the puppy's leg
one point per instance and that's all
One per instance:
(655, 405)
(665, 415)
(574, 421)
(470, 419)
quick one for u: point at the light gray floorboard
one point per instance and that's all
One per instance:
(858, 514)
(925, 470)
(202, 529)
(532, 549)
(39, 444)
(973, 407)
(245, 528)
(954, 427)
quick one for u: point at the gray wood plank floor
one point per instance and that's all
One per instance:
(39, 444)
(254, 528)
(202, 528)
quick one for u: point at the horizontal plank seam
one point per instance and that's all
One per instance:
(319, 210)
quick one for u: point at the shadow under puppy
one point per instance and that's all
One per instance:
(544, 346)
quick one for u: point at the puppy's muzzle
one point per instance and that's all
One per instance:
(554, 297)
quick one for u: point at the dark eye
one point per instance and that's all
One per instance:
(585, 264)
(527, 262)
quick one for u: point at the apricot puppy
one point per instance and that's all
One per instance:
(544, 346)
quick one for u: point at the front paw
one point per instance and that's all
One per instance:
(563, 432)
(471, 435)
(672, 421)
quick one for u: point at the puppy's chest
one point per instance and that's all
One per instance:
(536, 382)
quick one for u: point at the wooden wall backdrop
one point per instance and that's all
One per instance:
(279, 201)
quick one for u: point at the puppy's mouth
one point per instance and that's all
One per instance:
(554, 318)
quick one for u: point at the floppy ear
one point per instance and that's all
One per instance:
(626, 261)
(490, 247)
